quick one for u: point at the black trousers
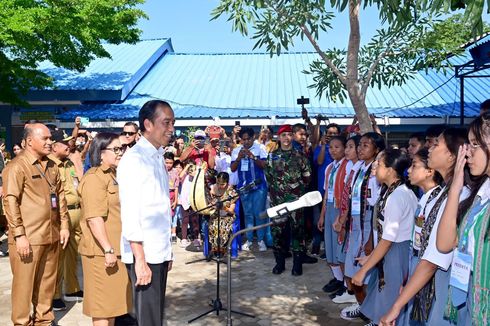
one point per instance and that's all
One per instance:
(149, 300)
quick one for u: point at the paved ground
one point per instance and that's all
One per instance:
(274, 300)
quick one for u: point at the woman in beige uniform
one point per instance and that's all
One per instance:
(105, 279)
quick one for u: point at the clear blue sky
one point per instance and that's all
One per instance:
(187, 23)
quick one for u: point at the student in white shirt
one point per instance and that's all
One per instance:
(466, 229)
(145, 212)
(394, 222)
(428, 281)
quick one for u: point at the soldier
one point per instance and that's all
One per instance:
(288, 173)
(67, 268)
(35, 207)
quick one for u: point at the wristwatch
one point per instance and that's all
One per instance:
(108, 251)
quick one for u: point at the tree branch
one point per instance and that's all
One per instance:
(324, 57)
(365, 82)
(317, 48)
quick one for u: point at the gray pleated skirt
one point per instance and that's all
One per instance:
(395, 265)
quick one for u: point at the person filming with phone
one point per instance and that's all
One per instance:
(198, 151)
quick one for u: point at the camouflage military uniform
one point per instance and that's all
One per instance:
(288, 174)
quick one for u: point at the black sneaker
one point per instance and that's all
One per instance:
(58, 305)
(333, 286)
(74, 297)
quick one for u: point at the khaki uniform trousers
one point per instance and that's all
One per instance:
(33, 284)
(67, 266)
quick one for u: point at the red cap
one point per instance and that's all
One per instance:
(284, 128)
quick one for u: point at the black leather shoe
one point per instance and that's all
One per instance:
(339, 292)
(333, 286)
(308, 259)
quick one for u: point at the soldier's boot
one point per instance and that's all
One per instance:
(308, 259)
(297, 264)
(280, 263)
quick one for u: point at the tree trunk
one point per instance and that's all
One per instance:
(353, 86)
(359, 104)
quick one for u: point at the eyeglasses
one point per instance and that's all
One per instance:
(116, 150)
(128, 133)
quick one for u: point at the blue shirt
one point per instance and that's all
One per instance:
(247, 170)
(321, 168)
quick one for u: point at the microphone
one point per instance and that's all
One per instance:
(250, 186)
(309, 199)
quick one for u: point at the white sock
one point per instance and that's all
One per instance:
(337, 273)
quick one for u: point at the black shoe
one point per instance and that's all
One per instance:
(297, 265)
(315, 250)
(74, 297)
(339, 292)
(333, 286)
(288, 254)
(58, 305)
(323, 256)
(307, 259)
(125, 320)
(174, 239)
(280, 263)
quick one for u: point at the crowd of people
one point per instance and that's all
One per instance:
(404, 230)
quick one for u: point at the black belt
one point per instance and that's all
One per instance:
(77, 206)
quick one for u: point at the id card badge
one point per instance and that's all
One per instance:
(460, 277)
(75, 182)
(244, 167)
(330, 195)
(356, 205)
(54, 201)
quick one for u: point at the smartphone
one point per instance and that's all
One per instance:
(84, 121)
(237, 123)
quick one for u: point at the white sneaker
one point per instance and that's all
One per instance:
(351, 313)
(262, 246)
(345, 298)
(246, 246)
(184, 243)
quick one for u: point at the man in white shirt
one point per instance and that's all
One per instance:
(146, 247)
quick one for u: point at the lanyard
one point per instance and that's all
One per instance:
(472, 219)
(51, 187)
(358, 182)
(332, 176)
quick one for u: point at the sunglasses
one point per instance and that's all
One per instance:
(128, 133)
(116, 150)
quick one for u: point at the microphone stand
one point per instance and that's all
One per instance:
(282, 216)
(216, 304)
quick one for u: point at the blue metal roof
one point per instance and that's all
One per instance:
(105, 78)
(251, 85)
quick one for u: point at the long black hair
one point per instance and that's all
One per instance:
(480, 127)
(397, 160)
(377, 140)
(100, 142)
(423, 155)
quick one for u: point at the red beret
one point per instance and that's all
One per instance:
(284, 128)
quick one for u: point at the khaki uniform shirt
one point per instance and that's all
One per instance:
(99, 194)
(69, 179)
(27, 199)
